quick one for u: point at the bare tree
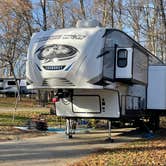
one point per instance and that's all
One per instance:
(14, 33)
(119, 13)
(163, 15)
(105, 10)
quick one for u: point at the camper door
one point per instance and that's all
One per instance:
(123, 63)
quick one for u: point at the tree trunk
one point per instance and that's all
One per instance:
(112, 13)
(120, 24)
(104, 13)
(82, 8)
(62, 17)
(17, 85)
(43, 5)
(163, 14)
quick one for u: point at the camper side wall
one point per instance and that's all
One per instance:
(140, 66)
(156, 93)
(124, 60)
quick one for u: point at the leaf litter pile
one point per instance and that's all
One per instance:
(139, 153)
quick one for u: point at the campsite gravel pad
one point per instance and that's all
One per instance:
(57, 150)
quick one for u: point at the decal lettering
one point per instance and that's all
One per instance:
(73, 36)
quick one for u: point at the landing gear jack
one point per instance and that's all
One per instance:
(69, 129)
(109, 139)
(154, 121)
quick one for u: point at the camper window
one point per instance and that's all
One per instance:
(122, 58)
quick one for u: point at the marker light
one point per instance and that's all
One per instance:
(54, 100)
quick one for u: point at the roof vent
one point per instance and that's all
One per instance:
(88, 23)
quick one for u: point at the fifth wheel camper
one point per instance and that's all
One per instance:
(96, 72)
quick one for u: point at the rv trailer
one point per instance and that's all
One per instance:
(1, 84)
(9, 88)
(96, 72)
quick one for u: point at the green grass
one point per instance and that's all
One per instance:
(21, 118)
(7, 120)
(10, 102)
(26, 109)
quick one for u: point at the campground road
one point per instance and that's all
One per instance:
(57, 150)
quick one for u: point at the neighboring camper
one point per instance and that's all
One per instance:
(95, 72)
(8, 86)
(1, 84)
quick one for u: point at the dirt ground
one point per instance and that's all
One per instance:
(57, 150)
(10, 133)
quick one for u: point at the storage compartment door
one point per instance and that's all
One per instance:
(123, 63)
(156, 93)
(86, 104)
